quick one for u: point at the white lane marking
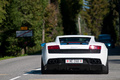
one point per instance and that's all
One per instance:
(25, 74)
(15, 78)
(38, 69)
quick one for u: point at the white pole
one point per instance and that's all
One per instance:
(43, 32)
(79, 25)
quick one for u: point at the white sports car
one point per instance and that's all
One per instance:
(75, 53)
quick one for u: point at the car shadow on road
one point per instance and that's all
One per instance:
(116, 61)
(114, 51)
(38, 72)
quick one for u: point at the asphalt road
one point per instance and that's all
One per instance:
(28, 68)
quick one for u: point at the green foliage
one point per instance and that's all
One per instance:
(53, 23)
(70, 10)
(59, 17)
(111, 21)
(6, 57)
(12, 46)
(94, 15)
(21, 13)
(30, 13)
(3, 4)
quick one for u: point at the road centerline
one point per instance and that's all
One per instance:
(15, 78)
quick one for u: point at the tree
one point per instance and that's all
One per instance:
(70, 10)
(30, 13)
(22, 13)
(111, 21)
(9, 27)
(3, 4)
(53, 23)
(94, 15)
(119, 17)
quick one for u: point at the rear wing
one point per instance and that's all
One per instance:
(90, 38)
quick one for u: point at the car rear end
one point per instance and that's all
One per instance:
(75, 53)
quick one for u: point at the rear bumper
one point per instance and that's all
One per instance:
(88, 64)
(73, 67)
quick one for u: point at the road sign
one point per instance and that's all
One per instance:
(24, 28)
(26, 33)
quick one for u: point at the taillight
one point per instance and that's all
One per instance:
(54, 47)
(94, 47)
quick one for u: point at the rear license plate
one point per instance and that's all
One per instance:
(74, 61)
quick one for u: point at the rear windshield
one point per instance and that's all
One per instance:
(74, 40)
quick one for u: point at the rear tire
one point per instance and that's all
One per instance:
(43, 71)
(105, 69)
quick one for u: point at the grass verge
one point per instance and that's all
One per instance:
(6, 57)
(9, 57)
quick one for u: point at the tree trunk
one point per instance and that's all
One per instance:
(23, 51)
(79, 25)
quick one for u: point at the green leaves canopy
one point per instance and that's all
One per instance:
(3, 3)
(94, 15)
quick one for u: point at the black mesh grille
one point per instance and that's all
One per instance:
(85, 61)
